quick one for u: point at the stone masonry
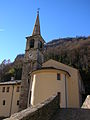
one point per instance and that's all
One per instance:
(72, 114)
(24, 86)
(42, 111)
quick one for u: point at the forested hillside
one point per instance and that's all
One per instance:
(74, 52)
(8, 69)
(71, 51)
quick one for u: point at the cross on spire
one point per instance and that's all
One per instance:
(38, 10)
(36, 30)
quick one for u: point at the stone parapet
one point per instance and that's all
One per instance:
(42, 111)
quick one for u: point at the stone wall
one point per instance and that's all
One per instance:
(43, 111)
(72, 114)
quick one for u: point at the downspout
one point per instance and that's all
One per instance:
(11, 100)
(28, 96)
(66, 90)
(29, 82)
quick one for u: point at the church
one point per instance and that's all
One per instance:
(40, 79)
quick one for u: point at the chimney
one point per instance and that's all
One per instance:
(12, 78)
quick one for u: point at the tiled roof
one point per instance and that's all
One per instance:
(11, 82)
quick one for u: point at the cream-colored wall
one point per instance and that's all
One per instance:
(6, 110)
(15, 98)
(73, 92)
(72, 82)
(45, 84)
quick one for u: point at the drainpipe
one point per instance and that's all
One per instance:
(66, 90)
(11, 100)
(29, 93)
(28, 96)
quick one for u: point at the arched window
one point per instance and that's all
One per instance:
(39, 44)
(32, 43)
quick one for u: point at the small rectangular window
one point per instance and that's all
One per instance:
(58, 76)
(8, 89)
(3, 89)
(17, 102)
(3, 102)
(17, 90)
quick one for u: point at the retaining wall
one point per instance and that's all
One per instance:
(43, 111)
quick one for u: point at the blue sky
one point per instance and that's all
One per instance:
(58, 18)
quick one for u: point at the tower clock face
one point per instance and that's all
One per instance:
(30, 55)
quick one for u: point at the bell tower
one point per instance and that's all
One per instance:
(33, 60)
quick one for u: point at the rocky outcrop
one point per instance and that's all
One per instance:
(86, 104)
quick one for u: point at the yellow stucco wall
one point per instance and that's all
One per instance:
(72, 82)
(8, 109)
(45, 84)
(73, 93)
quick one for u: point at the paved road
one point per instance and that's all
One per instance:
(72, 114)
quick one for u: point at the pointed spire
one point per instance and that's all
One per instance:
(36, 30)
